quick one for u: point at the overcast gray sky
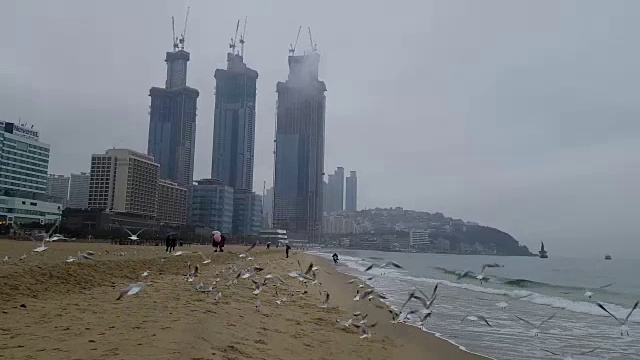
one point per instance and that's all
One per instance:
(523, 115)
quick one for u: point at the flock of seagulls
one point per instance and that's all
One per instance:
(309, 277)
(427, 302)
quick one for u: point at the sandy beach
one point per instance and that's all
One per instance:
(51, 309)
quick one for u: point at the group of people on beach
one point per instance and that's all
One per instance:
(218, 240)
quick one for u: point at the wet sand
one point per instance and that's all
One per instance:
(51, 309)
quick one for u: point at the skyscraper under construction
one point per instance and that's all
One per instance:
(299, 158)
(172, 119)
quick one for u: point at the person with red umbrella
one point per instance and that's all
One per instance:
(218, 241)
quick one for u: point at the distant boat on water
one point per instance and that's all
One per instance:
(607, 257)
(542, 252)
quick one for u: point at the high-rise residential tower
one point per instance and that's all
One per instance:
(23, 177)
(299, 160)
(79, 191)
(352, 193)
(58, 188)
(234, 124)
(172, 122)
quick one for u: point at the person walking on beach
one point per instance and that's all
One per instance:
(268, 245)
(286, 249)
(167, 243)
(335, 258)
(174, 243)
(218, 241)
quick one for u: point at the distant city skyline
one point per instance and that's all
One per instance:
(440, 107)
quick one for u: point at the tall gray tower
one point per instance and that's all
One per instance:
(299, 160)
(352, 193)
(234, 124)
(172, 119)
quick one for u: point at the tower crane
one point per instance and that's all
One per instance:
(244, 30)
(292, 47)
(314, 46)
(183, 36)
(232, 44)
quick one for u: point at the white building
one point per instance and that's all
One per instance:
(79, 191)
(23, 177)
(124, 180)
(58, 188)
(172, 203)
(418, 238)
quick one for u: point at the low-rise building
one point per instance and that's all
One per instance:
(172, 203)
(211, 205)
(247, 213)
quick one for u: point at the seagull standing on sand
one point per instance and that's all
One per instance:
(623, 322)
(536, 328)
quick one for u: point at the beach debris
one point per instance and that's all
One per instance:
(132, 289)
(145, 274)
(71, 259)
(385, 265)
(476, 318)
(536, 327)
(218, 297)
(622, 322)
(23, 257)
(258, 305)
(567, 356)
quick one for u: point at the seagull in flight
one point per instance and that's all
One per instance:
(133, 236)
(385, 265)
(589, 294)
(132, 289)
(325, 301)
(41, 248)
(476, 318)
(623, 322)
(566, 356)
(536, 328)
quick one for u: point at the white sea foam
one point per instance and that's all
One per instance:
(583, 307)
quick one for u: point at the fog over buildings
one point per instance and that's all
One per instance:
(518, 115)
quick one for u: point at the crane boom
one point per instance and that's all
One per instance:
(184, 31)
(292, 48)
(174, 40)
(244, 30)
(314, 47)
(232, 45)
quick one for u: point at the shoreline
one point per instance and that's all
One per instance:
(408, 335)
(70, 309)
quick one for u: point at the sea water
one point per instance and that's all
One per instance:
(534, 290)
